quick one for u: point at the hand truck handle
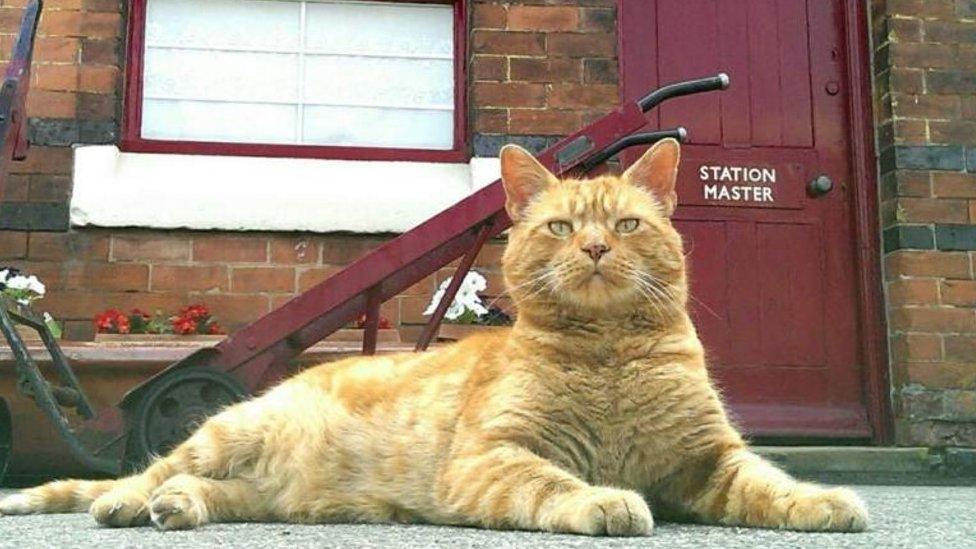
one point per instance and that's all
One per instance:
(720, 81)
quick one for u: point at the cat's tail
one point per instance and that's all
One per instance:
(60, 496)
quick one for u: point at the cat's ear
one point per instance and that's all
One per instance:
(657, 172)
(523, 177)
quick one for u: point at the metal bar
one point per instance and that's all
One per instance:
(66, 374)
(462, 270)
(648, 138)
(14, 92)
(372, 324)
(45, 399)
(719, 82)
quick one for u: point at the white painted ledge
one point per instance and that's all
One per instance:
(235, 193)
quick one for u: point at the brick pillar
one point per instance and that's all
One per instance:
(925, 71)
(539, 72)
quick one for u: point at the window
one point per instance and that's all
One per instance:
(329, 78)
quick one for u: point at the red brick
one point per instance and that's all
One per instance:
(598, 20)
(543, 121)
(933, 210)
(56, 49)
(65, 246)
(917, 184)
(233, 249)
(916, 347)
(310, 277)
(972, 212)
(509, 94)
(541, 69)
(581, 45)
(950, 32)
(955, 132)
(294, 251)
(959, 292)
(905, 30)
(49, 188)
(13, 245)
(190, 278)
(150, 247)
(95, 106)
(946, 107)
(508, 43)
(907, 80)
(574, 96)
(114, 6)
(934, 320)
(262, 279)
(600, 71)
(17, 188)
(345, 249)
(489, 67)
(48, 104)
(488, 16)
(100, 51)
(233, 311)
(490, 255)
(491, 121)
(960, 348)
(56, 77)
(954, 185)
(913, 291)
(98, 79)
(122, 277)
(45, 160)
(543, 18)
(943, 375)
(63, 4)
(10, 19)
(925, 263)
(424, 288)
(932, 56)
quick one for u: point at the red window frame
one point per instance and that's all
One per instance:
(132, 140)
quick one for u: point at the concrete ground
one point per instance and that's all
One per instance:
(901, 516)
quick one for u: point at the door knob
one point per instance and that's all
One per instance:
(820, 186)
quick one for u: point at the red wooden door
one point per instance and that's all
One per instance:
(772, 267)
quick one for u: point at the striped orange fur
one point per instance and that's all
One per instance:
(594, 409)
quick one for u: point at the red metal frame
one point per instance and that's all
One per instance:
(132, 140)
(13, 93)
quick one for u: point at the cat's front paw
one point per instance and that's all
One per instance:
(177, 505)
(832, 510)
(120, 508)
(608, 512)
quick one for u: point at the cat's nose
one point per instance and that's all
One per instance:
(596, 251)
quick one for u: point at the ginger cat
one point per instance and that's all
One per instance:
(594, 405)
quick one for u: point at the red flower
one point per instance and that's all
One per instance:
(214, 328)
(112, 321)
(184, 326)
(195, 312)
(140, 312)
(122, 324)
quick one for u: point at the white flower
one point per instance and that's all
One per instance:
(18, 283)
(466, 299)
(3, 275)
(35, 285)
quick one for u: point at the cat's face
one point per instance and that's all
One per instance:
(597, 243)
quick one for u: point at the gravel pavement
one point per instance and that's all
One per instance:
(902, 516)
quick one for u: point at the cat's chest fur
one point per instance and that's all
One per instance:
(607, 424)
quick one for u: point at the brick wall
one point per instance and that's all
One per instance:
(925, 68)
(540, 70)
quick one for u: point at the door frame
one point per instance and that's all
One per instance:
(870, 315)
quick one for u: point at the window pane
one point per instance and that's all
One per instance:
(370, 127)
(263, 25)
(378, 81)
(221, 122)
(368, 74)
(417, 29)
(231, 76)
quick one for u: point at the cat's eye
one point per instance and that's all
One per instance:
(561, 228)
(627, 225)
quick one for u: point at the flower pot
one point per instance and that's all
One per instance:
(345, 334)
(455, 332)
